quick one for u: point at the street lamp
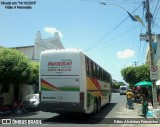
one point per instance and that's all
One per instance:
(134, 18)
(103, 3)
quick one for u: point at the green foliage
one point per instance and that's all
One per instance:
(115, 85)
(132, 75)
(14, 66)
(34, 77)
(121, 83)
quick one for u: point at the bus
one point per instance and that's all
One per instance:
(70, 81)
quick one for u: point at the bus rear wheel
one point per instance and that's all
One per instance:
(95, 106)
(98, 105)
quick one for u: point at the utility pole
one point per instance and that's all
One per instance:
(149, 33)
(135, 63)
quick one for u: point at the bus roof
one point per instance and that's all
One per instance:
(61, 50)
(74, 50)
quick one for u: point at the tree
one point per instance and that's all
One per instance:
(14, 67)
(34, 77)
(115, 85)
(121, 83)
(128, 74)
(132, 75)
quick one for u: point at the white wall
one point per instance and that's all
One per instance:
(28, 51)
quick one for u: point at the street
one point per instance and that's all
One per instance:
(111, 112)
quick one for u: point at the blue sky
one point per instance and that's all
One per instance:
(101, 31)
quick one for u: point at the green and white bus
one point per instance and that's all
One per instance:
(70, 81)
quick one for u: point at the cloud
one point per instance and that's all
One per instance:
(52, 30)
(127, 53)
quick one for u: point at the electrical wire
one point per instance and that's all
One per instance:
(101, 39)
(140, 41)
(134, 35)
(123, 2)
(95, 43)
(157, 13)
(156, 24)
(113, 38)
(155, 8)
(120, 35)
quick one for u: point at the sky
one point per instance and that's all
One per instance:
(104, 32)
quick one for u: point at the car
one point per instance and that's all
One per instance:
(31, 101)
(122, 90)
(115, 90)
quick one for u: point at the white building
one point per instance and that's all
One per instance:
(33, 51)
(157, 52)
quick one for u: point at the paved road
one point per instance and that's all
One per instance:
(115, 110)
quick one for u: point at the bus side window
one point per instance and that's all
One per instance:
(87, 65)
(100, 73)
(108, 77)
(90, 68)
(97, 72)
(104, 75)
(94, 70)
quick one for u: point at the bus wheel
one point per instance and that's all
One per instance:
(109, 98)
(98, 105)
(95, 106)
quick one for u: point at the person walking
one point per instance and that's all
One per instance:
(129, 96)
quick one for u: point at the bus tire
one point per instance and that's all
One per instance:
(95, 106)
(109, 98)
(98, 105)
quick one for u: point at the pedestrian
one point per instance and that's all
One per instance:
(129, 96)
(144, 105)
(145, 92)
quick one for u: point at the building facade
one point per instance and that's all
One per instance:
(157, 52)
(33, 51)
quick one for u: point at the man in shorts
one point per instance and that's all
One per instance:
(129, 96)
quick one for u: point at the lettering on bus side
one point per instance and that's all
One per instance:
(59, 63)
(62, 65)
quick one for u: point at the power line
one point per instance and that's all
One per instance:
(135, 63)
(141, 33)
(123, 2)
(157, 12)
(101, 39)
(155, 24)
(133, 39)
(155, 8)
(95, 43)
(120, 35)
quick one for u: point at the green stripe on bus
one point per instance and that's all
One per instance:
(62, 89)
(44, 89)
(69, 89)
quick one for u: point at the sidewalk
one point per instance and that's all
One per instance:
(134, 113)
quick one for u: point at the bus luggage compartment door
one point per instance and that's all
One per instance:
(64, 89)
